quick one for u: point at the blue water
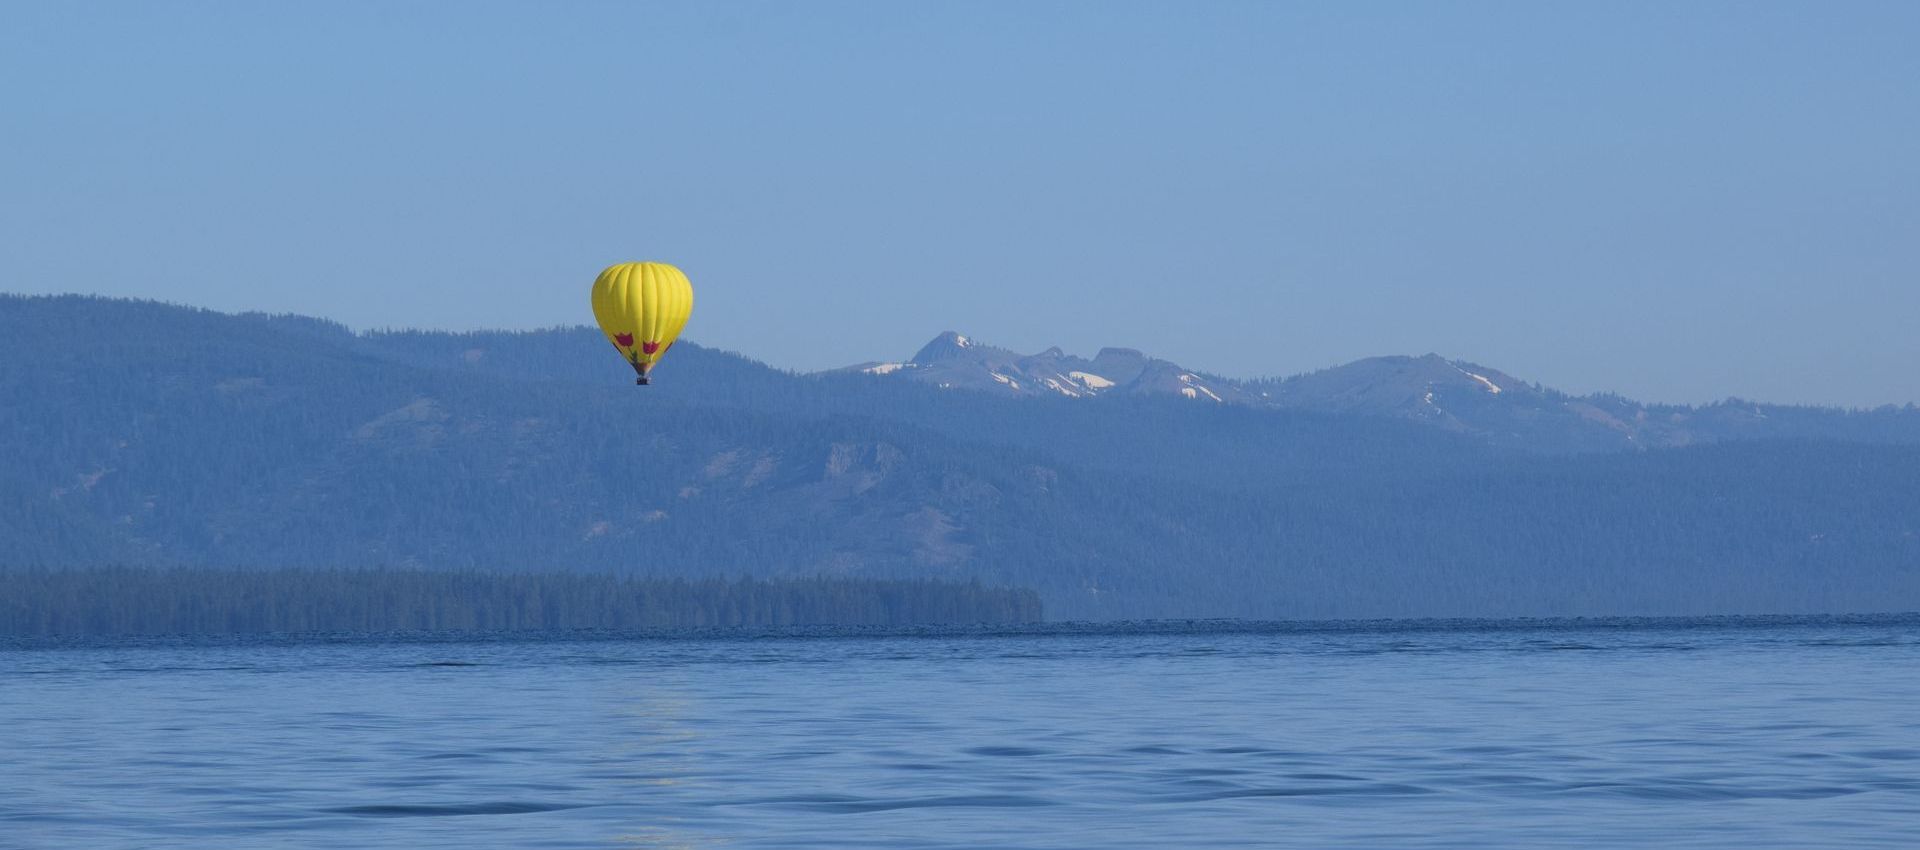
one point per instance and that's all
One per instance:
(1725, 733)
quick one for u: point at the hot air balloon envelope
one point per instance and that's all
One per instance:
(641, 307)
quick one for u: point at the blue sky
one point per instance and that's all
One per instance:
(1677, 201)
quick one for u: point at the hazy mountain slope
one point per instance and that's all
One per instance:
(1134, 435)
(147, 434)
(1486, 406)
(1506, 411)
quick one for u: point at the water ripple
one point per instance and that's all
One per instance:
(453, 810)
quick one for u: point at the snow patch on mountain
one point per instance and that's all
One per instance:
(1490, 386)
(1194, 389)
(1090, 380)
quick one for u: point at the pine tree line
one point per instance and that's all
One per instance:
(129, 601)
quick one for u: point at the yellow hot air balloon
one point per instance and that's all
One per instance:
(641, 307)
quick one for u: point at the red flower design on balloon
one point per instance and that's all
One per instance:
(625, 340)
(650, 347)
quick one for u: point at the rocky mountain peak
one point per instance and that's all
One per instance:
(947, 346)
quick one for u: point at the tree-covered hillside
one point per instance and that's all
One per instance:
(141, 434)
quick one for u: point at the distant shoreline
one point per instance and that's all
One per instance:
(983, 629)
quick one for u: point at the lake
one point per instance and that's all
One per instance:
(1728, 732)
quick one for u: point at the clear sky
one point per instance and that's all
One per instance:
(1680, 201)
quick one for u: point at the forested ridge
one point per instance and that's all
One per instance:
(123, 601)
(150, 435)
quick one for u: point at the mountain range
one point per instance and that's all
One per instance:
(1118, 486)
(1453, 395)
